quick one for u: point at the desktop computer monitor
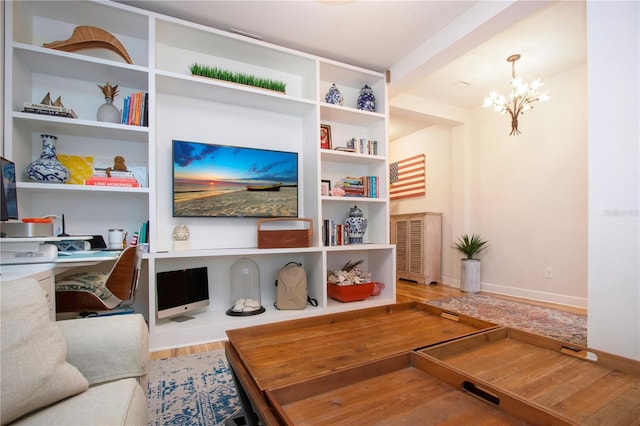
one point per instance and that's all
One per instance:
(8, 193)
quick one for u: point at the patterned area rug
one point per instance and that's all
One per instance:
(192, 390)
(549, 322)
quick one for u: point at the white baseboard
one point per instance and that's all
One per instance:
(540, 296)
(451, 282)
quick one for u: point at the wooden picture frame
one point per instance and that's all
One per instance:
(325, 187)
(325, 136)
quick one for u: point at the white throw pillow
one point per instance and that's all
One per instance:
(34, 371)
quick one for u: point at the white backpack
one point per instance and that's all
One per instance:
(292, 288)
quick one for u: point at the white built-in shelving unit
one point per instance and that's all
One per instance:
(200, 110)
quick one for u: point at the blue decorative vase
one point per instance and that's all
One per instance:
(333, 96)
(356, 225)
(47, 168)
(366, 100)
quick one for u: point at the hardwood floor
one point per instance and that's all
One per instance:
(187, 350)
(406, 291)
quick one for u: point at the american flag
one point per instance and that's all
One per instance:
(407, 178)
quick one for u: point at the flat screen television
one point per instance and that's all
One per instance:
(226, 181)
(181, 291)
(9, 201)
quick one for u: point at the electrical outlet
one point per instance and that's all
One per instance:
(548, 272)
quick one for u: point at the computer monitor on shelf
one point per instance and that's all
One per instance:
(8, 193)
(181, 291)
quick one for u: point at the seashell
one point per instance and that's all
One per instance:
(252, 303)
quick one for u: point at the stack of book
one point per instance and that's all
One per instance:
(135, 109)
(142, 235)
(362, 186)
(58, 111)
(363, 146)
(117, 178)
(334, 234)
(352, 186)
(371, 186)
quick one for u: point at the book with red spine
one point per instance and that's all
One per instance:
(112, 181)
(90, 182)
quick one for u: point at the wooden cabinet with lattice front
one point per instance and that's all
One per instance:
(418, 240)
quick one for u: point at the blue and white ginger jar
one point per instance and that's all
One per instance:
(366, 100)
(48, 168)
(356, 225)
(333, 96)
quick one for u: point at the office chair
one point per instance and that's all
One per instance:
(97, 291)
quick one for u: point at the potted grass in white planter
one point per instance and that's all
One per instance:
(470, 267)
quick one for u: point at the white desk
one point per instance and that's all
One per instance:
(45, 272)
(15, 272)
(32, 243)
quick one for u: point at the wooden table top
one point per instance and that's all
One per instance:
(291, 351)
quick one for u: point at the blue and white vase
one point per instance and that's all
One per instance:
(48, 168)
(333, 96)
(366, 100)
(356, 225)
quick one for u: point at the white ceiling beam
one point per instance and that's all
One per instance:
(484, 21)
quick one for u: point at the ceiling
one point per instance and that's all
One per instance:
(430, 47)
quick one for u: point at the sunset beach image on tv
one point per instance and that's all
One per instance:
(212, 180)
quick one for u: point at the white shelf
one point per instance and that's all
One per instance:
(351, 157)
(229, 93)
(357, 247)
(231, 252)
(79, 67)
(351, 200)
(348, 115)
(185, 107)
(78, 127)
(170, 334)
(337, 306)
(63, 187)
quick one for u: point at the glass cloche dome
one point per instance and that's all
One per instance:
(244, 296)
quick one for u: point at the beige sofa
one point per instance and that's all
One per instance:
(76, 372)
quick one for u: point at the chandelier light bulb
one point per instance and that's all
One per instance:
(521, 98)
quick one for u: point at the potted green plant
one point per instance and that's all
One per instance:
(470, 267)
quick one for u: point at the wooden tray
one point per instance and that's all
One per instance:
(586, 386)
(292, 351)
(398, 390)
(285, 238)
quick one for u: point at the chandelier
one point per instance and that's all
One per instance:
(521, 99)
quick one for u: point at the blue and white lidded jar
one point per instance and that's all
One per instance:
(333, 96)
(356, 225)
(366, 100)
(48, 168)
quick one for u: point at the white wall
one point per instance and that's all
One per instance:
(529, 195)
(614, 177)
(435, 142)
(526, 194)
(566, 192)
(215, 123)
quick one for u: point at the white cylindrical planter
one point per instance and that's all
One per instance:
(470, 276)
